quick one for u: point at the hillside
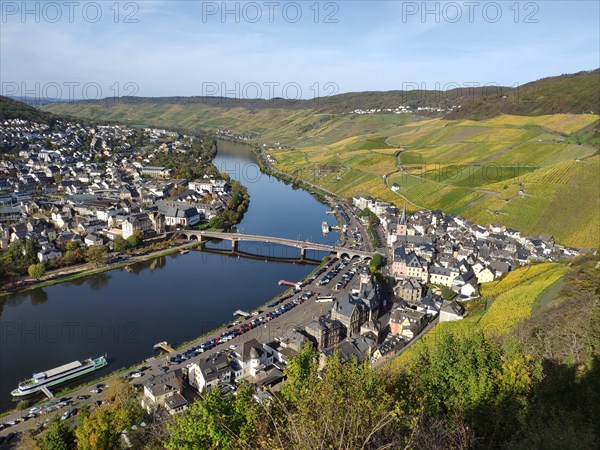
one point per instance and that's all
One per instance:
(577, 93)
(332, 104)
(13, 109)
(515, 170)
(568, 94)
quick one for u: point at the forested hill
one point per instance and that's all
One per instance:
(13, 109)
(577, 93)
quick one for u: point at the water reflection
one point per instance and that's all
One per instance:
(34, 296)
(98, 281)
(38, 296)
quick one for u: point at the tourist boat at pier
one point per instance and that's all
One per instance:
(58, 375)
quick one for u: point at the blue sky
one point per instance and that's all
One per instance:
(163, 48)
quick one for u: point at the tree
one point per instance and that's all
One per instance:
(102, 428)
(343, 406)
(120, 244)
(72, 257)
(376, 262)
(215, 421)
(36, 271)
(475, 377)
(71, 246)
(96, 254)
(370, 215)
(96, 431)
(58, 436)
(135, 239)
(301, 372)
(31, 251)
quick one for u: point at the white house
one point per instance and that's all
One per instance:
(210, 372)
(252, 358)
(485, 276)
(48, 255)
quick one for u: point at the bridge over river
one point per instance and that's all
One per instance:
(303, 246)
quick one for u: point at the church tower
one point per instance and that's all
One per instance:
(401, 228)
(365, 278)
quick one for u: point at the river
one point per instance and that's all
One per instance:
(176, 298)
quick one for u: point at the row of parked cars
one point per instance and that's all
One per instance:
(333, 272)
(36, 411)
(345, 280)
(280, 300)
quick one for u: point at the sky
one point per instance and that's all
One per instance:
(79, 49)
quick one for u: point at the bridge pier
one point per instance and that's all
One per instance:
(302, 253)
(234, 245)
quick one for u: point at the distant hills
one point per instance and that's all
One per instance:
(569, 94)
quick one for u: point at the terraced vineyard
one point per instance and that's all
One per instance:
(512, 170)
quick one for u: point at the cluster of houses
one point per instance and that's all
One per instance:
(352, 327)
(75, 183)
(228, 134)
(429, 251)
(405, 109)
(259, 364)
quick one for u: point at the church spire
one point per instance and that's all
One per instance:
(403, 216)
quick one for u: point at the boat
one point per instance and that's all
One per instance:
(58, 375)
(184, 251)
(325, 227)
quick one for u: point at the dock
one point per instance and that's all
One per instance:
(164, 346)
(289, 283)
(47, 392)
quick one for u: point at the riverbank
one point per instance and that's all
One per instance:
(321, 194)
(265, 166)
(85, 270)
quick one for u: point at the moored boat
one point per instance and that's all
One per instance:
(58, 375)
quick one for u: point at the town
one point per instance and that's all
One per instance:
(72, 186)
(76, 187)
